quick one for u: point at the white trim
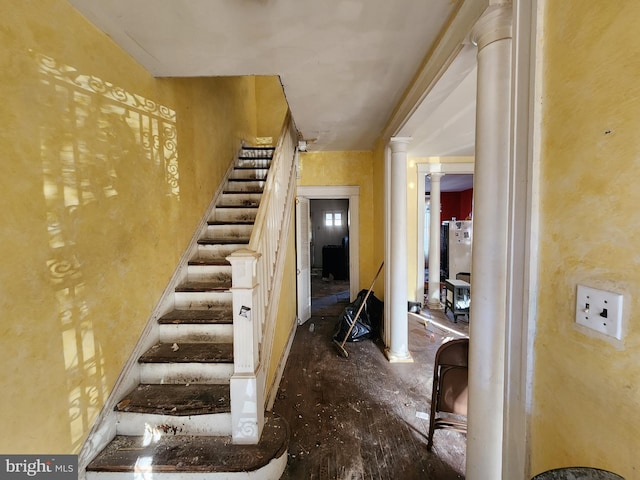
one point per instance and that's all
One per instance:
(386, 331)
(424, 169)
(439, 60)
(523, 241)
(352, 193)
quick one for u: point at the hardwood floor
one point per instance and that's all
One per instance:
(360, 417)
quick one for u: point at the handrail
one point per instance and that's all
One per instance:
(254, 308)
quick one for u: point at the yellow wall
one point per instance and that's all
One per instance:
(586, 408)
(378, 234)
(350, 168)
(272, 106)
(92, 227)
(287, 311)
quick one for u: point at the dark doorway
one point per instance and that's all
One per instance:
(329, 245)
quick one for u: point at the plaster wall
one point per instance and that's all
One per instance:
(287, 307)
(272, 106)
(107, 172)
(343, 169)
(586, 393)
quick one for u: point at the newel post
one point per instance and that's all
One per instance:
(247, 391)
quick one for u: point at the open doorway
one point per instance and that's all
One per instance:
(456, 206)
(327, 225)
(457, 176)
(329, 250)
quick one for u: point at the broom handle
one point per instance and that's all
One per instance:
(353, 324)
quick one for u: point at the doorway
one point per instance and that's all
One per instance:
(329, 251)
(326, 216)
(459, 173)
(456, 205)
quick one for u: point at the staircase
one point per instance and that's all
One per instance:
(178, 422)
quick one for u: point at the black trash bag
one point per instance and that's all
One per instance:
(368, 324)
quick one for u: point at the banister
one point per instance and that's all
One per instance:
(254, 308)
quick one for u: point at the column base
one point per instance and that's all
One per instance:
(394, 357)
(435, 305)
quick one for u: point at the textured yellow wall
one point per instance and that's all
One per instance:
(350, 168)
(272, 106)
(95, 212)
(586, 408)
(287, 311)
(378, 234)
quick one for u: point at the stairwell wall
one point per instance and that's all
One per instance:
(350, 169)
(107, 173)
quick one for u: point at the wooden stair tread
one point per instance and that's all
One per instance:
(231, 223)
(219, 315)
(223, 241)
(237, 206)
(182, 453)
(214, 262)
(177, 399)
(189, 353)
(208, 286)
(240, 192)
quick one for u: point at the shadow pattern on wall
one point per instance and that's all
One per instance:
(105, 142)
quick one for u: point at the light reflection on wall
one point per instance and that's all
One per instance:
(103, 133)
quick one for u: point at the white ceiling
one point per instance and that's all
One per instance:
(344, 64)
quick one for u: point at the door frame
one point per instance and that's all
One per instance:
(425, 169)
(351, 193)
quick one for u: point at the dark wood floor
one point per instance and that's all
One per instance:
(359, 417)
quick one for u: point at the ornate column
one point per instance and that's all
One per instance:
(398, 348)
(492, 35)
(434, 242)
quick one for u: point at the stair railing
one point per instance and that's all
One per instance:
(254, 270)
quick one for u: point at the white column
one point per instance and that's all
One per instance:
(434, 242)
(492, 35)
(398, 348)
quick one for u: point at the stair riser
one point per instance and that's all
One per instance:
(201, 300)
(228, 231)
(256, 152)
(272, 471)
(245, 186)
(129, 423)
(218, 252)
(217, 373)
(255, 174)
(239, 199)
(234, 214)
(192, 333)
(197, 273)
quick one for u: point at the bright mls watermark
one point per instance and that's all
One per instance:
(39, 467)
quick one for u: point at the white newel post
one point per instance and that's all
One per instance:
(247, 391)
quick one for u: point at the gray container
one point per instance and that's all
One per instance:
(577, 473)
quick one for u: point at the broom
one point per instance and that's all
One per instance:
(341, 350)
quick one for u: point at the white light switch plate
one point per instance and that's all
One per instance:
(599, 310)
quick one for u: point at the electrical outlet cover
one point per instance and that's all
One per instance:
(599, 310)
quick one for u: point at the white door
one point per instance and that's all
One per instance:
(303, 261)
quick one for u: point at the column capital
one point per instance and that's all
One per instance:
(494, 24)
(399, 144)
(436, 175)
